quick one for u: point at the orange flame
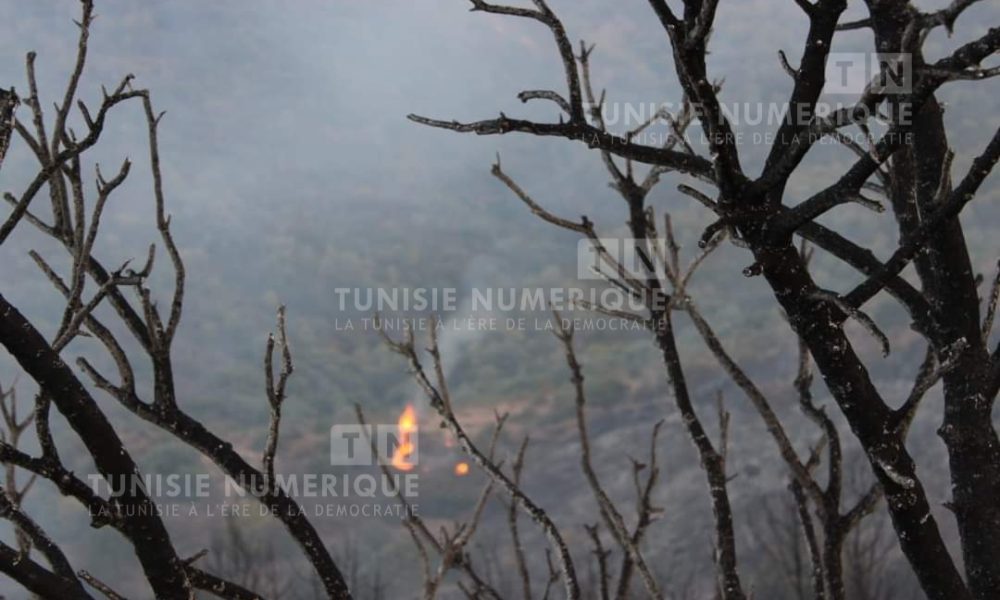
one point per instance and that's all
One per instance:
(462, 469)
(407, 427)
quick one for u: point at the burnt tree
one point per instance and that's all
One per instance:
(72, 218)
(909, 162)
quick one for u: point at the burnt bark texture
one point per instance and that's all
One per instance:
(910, 166)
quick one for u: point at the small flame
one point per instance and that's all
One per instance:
(462, 469)
(407, 426)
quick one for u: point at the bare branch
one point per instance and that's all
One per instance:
(609, 513)
(593, 137)
(8, 105)
(991, 305)
(756, 397)
(121, 94)
(38, 579)
(959, 197)
(275, 393)
(100, 586)
(416, 526)
(548, 18)
(537, 514)
(529, 95)
(163, 221)
(601, 555)
(792, 72)
(39, 539)
(948, 15)
(867, 322)
(519, 559)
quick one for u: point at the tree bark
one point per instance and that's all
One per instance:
(945, 271)
(818, 323)
(149, 537)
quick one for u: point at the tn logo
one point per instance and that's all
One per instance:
(351, 445)
(851, 72)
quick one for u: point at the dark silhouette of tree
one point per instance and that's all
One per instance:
(74, 222)
(910, 165)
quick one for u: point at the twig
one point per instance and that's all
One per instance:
(275, 393)
(100, 586)
(407, 349)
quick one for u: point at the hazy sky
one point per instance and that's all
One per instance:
(268, 101)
